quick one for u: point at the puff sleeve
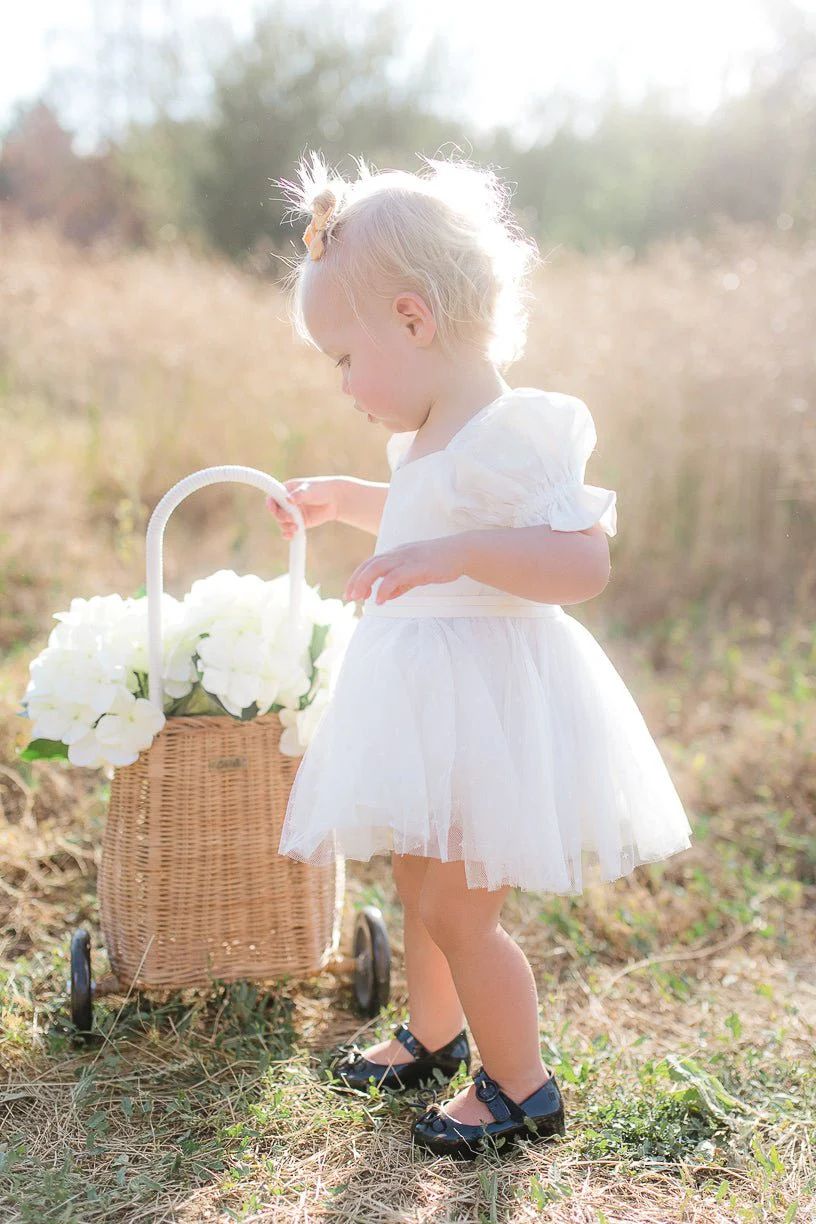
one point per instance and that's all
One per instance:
(523, 464)
(397, 445)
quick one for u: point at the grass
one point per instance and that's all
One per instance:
(122, 373)
(678, 1005)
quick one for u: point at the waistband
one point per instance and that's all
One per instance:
(462, 605)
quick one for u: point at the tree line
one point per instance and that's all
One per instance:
(642, 173)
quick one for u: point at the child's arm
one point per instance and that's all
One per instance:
(539, 563)
(325, 499)
(560, 567)
(360, 502)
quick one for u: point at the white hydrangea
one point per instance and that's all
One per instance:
(300, 725)
(121, 734)
(230, 636)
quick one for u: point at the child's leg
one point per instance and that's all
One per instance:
(435, 1013)
(494, 981)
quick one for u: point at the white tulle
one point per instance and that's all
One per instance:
(509, 743)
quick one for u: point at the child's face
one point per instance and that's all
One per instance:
(384, 358)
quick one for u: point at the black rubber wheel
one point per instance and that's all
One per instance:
(372, 955)
(81, 987)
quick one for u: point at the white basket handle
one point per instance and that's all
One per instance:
(155, 537)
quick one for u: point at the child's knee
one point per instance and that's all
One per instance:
(448, 926)
(454, 915)
(448, 919)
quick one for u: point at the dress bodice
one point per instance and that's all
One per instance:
(519, 461)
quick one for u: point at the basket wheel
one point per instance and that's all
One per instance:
(372, 957)
(81, 987)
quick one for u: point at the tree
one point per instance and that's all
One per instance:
(42, 177)
(306, 82)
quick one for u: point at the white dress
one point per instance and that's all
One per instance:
(470, 724)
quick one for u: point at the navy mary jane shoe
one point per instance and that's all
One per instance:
(539, 1116)
(355, 1070)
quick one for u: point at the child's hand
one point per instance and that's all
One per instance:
(316, 497)
(409, 565)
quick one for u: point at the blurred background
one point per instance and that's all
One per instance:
(664, 157)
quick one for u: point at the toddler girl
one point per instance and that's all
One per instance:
(476, 731)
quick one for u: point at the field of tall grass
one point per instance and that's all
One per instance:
(119, 374)
(678, 1005)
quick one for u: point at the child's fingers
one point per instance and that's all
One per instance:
(283, 517)
(275, 505)
(280, 512)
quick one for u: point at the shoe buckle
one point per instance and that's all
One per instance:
(487, 1089)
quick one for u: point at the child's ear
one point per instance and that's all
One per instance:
(414, 314)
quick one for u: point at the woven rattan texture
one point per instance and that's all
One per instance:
(191, 887)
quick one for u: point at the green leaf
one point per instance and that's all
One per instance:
(44, 749)
(712, 1095)
(734, 1023)
(319, 635)
(199, 701)
(756, 1148)
(775, 1159)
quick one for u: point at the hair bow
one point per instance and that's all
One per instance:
(315, 233)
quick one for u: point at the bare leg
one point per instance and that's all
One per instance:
(435, 1011)
(494, 982)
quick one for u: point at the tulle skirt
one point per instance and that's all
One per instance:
(510, 743)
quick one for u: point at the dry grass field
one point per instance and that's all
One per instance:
(678, 1005)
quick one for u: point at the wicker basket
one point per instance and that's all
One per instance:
(191, 886)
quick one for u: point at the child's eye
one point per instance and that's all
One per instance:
(340, 362)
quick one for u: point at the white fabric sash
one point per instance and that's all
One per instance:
(462, 605)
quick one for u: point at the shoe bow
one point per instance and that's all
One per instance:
(434, 1118)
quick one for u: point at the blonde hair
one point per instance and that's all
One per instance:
(447, 235)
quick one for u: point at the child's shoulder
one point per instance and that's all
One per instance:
(546, 421)
(522, 461)
(525, 420)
